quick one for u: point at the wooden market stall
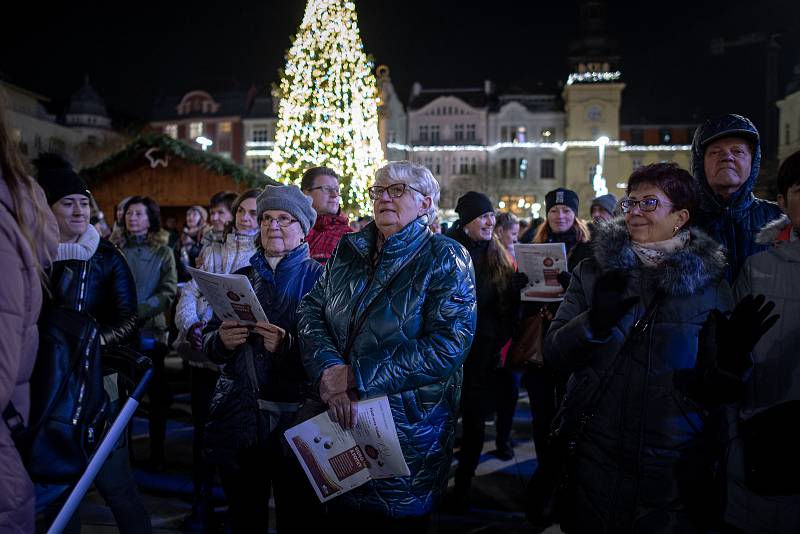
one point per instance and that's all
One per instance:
(173, 173)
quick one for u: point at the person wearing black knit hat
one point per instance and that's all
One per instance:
(58, 179)
(561, 225)
(107, 292)
(497, 289)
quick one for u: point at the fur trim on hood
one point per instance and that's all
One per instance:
(769, 234)
(687, 271)
(154, 239)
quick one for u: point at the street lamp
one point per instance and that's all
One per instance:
(598, 182)
(204, 142)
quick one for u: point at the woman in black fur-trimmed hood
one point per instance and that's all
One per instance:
(629, 331)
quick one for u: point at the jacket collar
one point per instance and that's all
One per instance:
(395, 249)
(288, 263)
(683, 273)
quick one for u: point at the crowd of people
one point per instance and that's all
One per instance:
(666, 380)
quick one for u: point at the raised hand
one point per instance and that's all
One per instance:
(738, 334)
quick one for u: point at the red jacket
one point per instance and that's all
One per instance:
(324, 236)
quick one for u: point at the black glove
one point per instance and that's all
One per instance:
(707, 383)
(564, 278)
(723, 351)
(607, 306)
(738, 334)
(519, 281)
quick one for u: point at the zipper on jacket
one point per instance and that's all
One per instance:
(85, 365)
(81, 294)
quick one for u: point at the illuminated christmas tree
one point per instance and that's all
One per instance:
(328, 112)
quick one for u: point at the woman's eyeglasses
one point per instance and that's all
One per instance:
(394, 190)
(282, 220)
(646, 204)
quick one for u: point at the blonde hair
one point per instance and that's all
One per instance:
(23, 191)
(580, 226)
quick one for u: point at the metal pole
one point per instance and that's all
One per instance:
(100, 456)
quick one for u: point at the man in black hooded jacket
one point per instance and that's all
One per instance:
(726, 157)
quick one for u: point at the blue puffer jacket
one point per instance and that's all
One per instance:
(280, 374)
(736, 222)
(642, 461)
(411, 348)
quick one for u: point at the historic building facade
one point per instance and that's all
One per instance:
(83, 132)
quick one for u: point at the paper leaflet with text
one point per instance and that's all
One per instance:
(337, 460)
(542, 262)
(231, 296)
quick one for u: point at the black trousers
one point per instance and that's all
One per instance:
(203, 384)
(159, 401)
(544, 390)
(248, 488)
(507, 393)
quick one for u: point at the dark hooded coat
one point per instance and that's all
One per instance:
(736, 222)
(641, 459)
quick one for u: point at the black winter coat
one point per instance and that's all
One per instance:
(642, 458)
(497, 312)
(103, 287)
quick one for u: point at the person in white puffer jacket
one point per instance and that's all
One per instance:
(192, 314)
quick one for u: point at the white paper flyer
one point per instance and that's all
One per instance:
(542, 262)
(231, 296)
(337, 460)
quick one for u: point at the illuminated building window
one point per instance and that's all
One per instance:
(171, 130)
(195, 130)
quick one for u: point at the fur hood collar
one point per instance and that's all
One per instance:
(687, 271)
(154, 239)
(771, 232)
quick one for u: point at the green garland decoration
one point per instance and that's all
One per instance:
(208, 160)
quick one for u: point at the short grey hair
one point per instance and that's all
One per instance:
(417, 176)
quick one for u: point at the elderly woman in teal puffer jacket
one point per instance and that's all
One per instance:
(402, 300)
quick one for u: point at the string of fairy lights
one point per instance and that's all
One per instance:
(328, 111)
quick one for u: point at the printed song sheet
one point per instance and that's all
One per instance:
(337, 460)
(230, 295)
(542, 263)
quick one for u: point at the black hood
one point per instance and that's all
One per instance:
(730, 125)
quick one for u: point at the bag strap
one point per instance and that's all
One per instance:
(351, 335)
(14, 420)
(64, 324)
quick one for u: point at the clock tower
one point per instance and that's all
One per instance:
(592, 97)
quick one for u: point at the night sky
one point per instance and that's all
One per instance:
(171, 47)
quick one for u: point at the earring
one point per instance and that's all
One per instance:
(675, 230)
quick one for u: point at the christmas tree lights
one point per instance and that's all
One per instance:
(328, 111)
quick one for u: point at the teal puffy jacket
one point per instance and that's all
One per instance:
(410, 348)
